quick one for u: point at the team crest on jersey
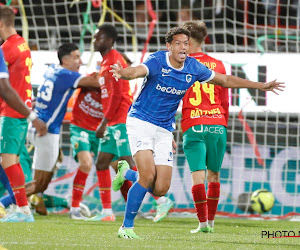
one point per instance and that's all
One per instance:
(188, 78)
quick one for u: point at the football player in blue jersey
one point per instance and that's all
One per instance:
(51, 104)
(150, 122)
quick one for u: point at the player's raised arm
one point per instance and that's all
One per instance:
(229, 81)
(128, 73)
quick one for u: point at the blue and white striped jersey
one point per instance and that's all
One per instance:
(164, 87)
(54, 94)
(3, 68)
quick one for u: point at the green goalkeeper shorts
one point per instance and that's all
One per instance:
(204, 147)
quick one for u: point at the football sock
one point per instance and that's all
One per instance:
(25, 209)
(6, 200)
(213, 194)
(211, 223)
(6, 185)
(17, 182)
(136, 195)
(160, 200)
(104, 180)
(74, 209)
(78, 187)
(53, 201)
(124, 189)
(107, 211)
(200, 202)
(131, 175)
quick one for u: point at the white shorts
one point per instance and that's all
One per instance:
(46, 152)
(143, 135)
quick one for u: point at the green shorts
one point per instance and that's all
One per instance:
(13, 134)
(26, 163)
(115, 141)
(204, 146)
(83, 140)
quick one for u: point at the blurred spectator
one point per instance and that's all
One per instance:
(142, 16)
(184, 13)
(271, 7)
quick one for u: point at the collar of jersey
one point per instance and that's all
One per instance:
(170, 65)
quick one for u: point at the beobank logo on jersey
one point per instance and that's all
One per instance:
(170, 90)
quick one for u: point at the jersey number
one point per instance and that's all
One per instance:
(28, 63)
(46, 93)
(207, 88)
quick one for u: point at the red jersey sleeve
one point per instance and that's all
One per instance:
(116, 96)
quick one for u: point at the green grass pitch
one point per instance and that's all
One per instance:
(60, 232)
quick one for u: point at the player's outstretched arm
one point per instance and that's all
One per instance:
(89, 81)
(128, 73)
(229, 81)
(11, 97)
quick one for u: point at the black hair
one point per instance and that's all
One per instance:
(65, 49)
(110, 31)
(176, 31)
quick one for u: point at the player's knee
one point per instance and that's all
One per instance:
(161, 190)
(85, 166)
(146, 180)
(101, 165)
(213, 176)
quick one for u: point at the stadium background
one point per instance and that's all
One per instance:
(255, 39)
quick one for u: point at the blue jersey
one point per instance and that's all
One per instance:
(164, 87)
(3, 68)
(54, 94)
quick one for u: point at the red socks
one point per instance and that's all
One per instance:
(124, 189)
(16, 179)
(78, 187)
(200, 202)
(104, 180)
(213, 194)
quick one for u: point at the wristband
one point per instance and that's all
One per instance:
(32, 116)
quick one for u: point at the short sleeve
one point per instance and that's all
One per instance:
(3, 68)
(153, 65)
(72, 78)
(204, 73)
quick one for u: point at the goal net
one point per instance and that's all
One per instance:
(257, 40)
